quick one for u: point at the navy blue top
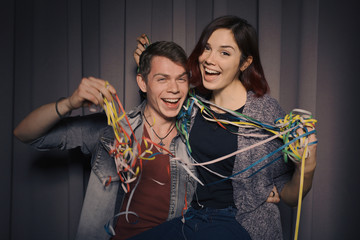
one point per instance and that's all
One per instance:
(209, 141)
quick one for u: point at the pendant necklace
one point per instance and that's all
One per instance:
(161, 143)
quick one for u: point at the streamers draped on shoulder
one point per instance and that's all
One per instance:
(293, 129)
(287, 129)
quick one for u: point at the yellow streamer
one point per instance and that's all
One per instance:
(300, 193)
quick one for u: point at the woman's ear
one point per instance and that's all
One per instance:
(141, 82)
(246, 64)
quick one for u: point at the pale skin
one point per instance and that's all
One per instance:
(90, 91)
(219, 65)
(166, 87)
(142, 42)
(166, 80)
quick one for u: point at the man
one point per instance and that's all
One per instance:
(162, 189)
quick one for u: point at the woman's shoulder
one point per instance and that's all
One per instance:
(264, 108)
(265, 99)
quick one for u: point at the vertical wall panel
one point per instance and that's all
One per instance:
(270, 43)
(90, 14)
(191, 36)
(247, 9)
(179, 22)
(336, 187)
(308, 55)
(48, 172)
(7, 15)
(204, 14)
(91, 38)
(162, 20)
(76, 167)
(308, 89)
(220, 8)
(290, 54)
(22, 105)
(41, 179)
(112, 39)
(135, 26)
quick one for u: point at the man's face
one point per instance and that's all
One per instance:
(167, 86)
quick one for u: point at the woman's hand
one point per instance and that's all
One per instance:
(310, 160)
(274, 196)
(290, 192)
(142, 42)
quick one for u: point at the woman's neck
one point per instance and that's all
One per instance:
(232, 97)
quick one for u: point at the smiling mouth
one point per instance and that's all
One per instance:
(211, 72)
(171, 100)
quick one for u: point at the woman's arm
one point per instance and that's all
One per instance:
(290, 192)
(39, 121)
(142, 42)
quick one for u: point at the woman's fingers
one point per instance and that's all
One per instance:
(142, 43)
(274, 196)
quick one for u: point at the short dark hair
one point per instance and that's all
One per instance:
(245, 35)
(166, 49)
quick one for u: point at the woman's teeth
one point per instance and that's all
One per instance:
(208, 71)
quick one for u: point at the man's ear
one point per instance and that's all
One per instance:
(246, 64)
(141, 83)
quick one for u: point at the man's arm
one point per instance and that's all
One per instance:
(38, 122)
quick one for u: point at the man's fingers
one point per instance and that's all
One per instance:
(97, 89)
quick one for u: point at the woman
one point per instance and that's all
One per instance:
(227, 73)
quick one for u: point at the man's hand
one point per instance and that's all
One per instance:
(90, 90)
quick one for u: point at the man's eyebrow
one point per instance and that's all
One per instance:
(183, 74)
(161, 74)
(167, 75)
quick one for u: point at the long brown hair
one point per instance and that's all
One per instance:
(245, 36)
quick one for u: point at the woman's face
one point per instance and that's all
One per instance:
(220, 62)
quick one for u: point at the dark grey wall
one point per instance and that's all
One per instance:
(309, 50)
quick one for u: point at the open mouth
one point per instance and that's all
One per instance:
(172, 102)
(211, 72)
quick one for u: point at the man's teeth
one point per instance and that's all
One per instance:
(211, 71)
(171, 100)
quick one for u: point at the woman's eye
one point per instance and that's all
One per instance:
(225, 53)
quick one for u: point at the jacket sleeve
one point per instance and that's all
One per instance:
(73, 132)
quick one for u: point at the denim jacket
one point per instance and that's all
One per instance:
(103, 199)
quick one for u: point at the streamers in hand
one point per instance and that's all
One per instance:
(126, 150)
